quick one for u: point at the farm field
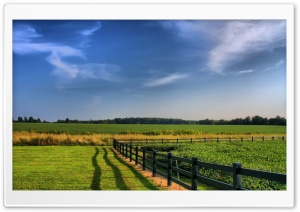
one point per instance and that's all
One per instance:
(103, 134)
(147, 129)
(267, 156)
(74, 168)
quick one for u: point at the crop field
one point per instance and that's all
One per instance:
(147, 129)
(267, 156)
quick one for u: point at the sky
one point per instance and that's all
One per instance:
(186, 69)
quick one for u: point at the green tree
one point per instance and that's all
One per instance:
(31, 119)
(20, 119)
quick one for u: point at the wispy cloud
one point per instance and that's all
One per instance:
(24, 43)
(231, 41)
(274, 66)
(240, 39)
(90, 30)
(164, 80)
(244, 72)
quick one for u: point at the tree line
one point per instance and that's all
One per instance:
(29, 120)
(255, 120)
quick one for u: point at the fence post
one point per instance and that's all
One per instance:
(144, 159)
(241, 139)
(136, 155)
(130, 153)
(205, 140)
(263, 138)
(237, 177)
(169, 168)
(229, 139)
(154, 164)
(123, 149)
(119, 147)
(194, 173)
(252, 139)
(177, 140)
(273, 138)
(126, 150)
(191, 140)
(282, 137)
(217, 139)
(162, 140)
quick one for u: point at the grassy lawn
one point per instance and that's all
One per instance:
(74, 168)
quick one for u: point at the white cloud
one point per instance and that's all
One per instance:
(232, 41)
(59, 50)
(164, 80)
(99, 71)
(244, 72)
(241, 38)
(24, 33)
(90, 31)
(23, 44)
(63, 69)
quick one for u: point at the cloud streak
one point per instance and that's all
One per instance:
(24, 36)
(242, 38)
(164, 80)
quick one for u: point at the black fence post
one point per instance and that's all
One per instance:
(194, 173)
(136, 155)
(123, 152)
(263, 138)
(144, 159)
(237, 177)
(217, 139)
(229, 139)
(126, 150)
(154, 164)
(169, 168)
(205, 140)
(191, 140)
(177, 140)
(282, 137)
(162, 141)
(252, 139)
(119, 147)
(241, 139)
(273, 138)
(130, 153)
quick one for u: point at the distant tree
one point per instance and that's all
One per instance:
(31, 119)
(67, 120)
(20, 119)
(38, 120)
(247, 120)
(25, 119)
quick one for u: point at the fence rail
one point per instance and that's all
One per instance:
(203, 139)
(236, 168)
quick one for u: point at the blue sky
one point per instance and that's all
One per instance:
(188, 69)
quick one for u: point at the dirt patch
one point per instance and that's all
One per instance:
(159, 181)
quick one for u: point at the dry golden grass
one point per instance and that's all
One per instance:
(39, 139)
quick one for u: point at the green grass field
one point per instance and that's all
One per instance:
(74, 168)
(147, 129)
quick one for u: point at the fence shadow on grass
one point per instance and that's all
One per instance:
(95, 185)
(117, 174)
(137, 175)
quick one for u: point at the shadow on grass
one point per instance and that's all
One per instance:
(117, 174)
(137, 175)
(95, 185)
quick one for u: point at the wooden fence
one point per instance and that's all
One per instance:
(128, 150)
(204, 139)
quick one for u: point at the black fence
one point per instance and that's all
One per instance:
(204, 139)
(144, 157)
